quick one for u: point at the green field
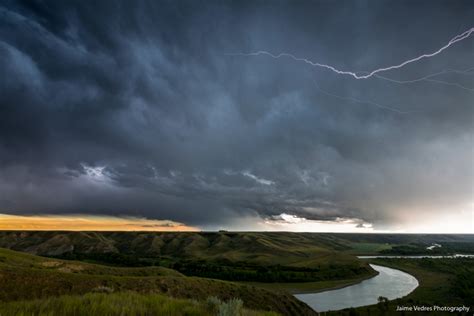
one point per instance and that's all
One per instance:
(108, 272)
(249, 257)
(126, 303)
(28, 277)
(362, 248)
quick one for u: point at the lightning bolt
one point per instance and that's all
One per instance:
(370, 74)
(351, 99)
(428, 78)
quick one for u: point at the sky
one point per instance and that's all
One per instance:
(184, 115)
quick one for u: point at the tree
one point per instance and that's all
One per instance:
(382, 302)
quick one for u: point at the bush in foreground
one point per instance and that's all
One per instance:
(125, 303)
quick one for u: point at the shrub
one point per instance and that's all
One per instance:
(103, 289)
(213, 303)
(232, 307)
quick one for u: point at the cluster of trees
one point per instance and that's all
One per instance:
(110, 258)
(274, 273)
(464, 286)
(447, 248)
(462, 270)
(409, 249)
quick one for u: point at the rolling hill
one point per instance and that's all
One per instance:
(257, 257)
(29, 277)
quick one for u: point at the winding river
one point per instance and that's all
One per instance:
(390, 283)
(420, 256)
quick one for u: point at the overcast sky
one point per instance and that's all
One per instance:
(141, 108)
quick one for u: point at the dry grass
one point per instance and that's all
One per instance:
(126, 303)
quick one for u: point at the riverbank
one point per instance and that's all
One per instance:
(390, 283)
(431, 273)
(312, 287)
(442, 282)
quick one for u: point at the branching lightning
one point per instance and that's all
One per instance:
(424, 78)
(372, 73)
(376, 73)
(428, 78)
(351, 99)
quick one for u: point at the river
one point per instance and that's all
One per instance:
(390, 283)
(420, 256)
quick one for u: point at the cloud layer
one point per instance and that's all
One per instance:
(134, 108)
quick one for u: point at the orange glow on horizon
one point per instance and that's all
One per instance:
(88, 223)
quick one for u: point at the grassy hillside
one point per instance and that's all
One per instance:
(20, 260)
(253, 257)
(267, 266)
(286, 248)
(27, 277)
(256, 247)
(127, 303)
(268, 257)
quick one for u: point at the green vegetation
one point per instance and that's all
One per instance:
(109, 258)
(29, 277)
(442, 282)
(265, 268)
(261, 248)
(408, 244)
(257, 257)
(369, 247)
(271, 273)
(127, 303)
(310, 287)
(447, 248)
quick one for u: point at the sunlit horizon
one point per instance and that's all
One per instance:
(287, 223)
(88, 223)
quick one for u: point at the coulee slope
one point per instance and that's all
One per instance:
(26, 277)
(237, 256)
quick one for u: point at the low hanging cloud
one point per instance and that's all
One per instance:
(135, 109)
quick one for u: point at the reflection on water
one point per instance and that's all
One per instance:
(390, 283)
(419, 257)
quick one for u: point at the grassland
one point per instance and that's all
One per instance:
(29, 277)
(299, 262)
(261, 269)
(126, 303)
(251, 257)
(263, 248)
(362, 248)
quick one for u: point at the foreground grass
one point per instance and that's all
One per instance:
(25, 277)
(126, 303)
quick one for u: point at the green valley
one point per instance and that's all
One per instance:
(200, 273)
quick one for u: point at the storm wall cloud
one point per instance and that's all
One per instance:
(137, 109)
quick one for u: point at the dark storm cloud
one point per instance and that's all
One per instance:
(134, 108)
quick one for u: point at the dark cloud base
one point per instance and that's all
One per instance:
(134, 108)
